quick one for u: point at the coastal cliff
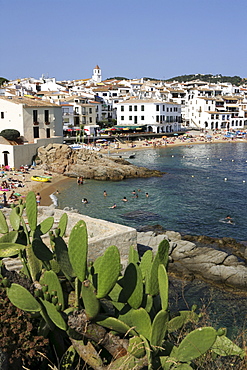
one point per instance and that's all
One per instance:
(60, 158)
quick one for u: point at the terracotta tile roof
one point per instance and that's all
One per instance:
(28, 102)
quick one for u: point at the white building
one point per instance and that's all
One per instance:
(96, 77)
(156, 115)
(38, 122)
(216, 113)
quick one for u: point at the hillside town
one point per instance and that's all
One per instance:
(46, 110)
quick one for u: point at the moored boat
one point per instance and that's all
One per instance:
(40, 178)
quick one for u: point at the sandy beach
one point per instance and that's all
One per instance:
(47, 188)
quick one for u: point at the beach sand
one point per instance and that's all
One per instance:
(47, 188)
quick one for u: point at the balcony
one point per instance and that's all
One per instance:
(47, 123)
(35, 123)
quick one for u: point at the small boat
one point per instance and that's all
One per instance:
(40, 178)
(123, 155)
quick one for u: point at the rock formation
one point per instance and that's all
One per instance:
(60, 158)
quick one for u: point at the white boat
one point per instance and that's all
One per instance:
(123, 155)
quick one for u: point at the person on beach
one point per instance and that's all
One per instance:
(5, 202)
(12, 198)
(38, 199)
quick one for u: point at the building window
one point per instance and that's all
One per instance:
(122, 118)
(142, 118)
(90, 119)
(170, 109)
(135, 108)
(157, 108)
(142, 108)
(104, 94)
(130, 118)
(46, 115)
(167, 109)
(48, 133)
(157, 117)
(164, 108)
(90, 110)
(2, 114)
(35, 116)
(36, 132)
(130, 108)
(212, 116)
(122, 108)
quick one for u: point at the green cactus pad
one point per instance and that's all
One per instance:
(136, 347)
(223, 346)
(159, 328)
(91, 303)
(108, 271)
(62, 225)
(176, 323)
(31, 210)
(54, 315)
(125, 315)
(41, 251)
(10, 237)
(147, 302)
(22, 298)
(115, 292)
(46, 225)
(51, 280)
(55, 266)
(10, 249)
(133, 286)
(160, 258)
(117, 325)
(163, 286)
(196, 343)
(34, 264)
(14, 219)
(62, 257)
(146, 264)
(133, 255)
(141, 322)
(3, 224)
(78, 248)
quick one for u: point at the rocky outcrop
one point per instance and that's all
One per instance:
(189, 260)
(60, 158)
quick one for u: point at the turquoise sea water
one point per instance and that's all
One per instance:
(202, 185)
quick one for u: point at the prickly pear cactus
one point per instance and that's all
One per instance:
(108, 271)
(77, 249)
(22, 298)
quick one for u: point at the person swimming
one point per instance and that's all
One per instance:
(84, 200)
(114, 206)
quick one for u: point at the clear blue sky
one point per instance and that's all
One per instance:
(128, 38)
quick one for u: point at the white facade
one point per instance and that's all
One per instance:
(33, 119)
(158, 116)
(223, 112)
(96, 77)
(38, 122)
